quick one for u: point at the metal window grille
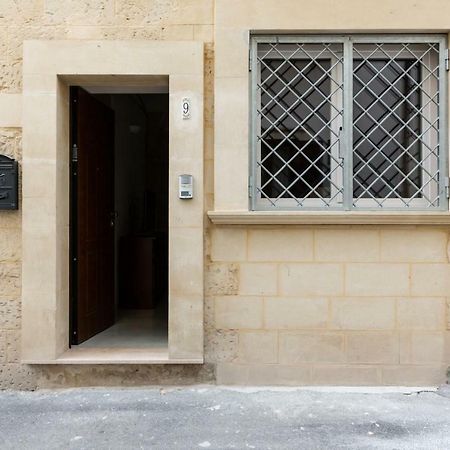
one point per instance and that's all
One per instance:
(348, 122)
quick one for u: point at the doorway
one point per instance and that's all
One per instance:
(119, 217)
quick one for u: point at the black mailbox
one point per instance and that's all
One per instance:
(8, 183)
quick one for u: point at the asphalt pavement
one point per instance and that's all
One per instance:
(226, 418)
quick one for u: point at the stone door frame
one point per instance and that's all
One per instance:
(49, 68)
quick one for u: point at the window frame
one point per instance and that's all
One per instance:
(256, 203)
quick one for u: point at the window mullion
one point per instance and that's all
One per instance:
(255, 144)
(443, 126)
(347, 135)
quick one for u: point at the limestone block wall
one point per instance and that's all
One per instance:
(329, 304)
(284, 305)
(85, 19)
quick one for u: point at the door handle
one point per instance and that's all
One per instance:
(113, 217)
(340, 155)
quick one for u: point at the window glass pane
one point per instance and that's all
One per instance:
(300, 114)
(395, 146)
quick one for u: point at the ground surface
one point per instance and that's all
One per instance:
(213, 417)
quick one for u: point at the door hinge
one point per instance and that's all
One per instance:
(250, 186)
(250, 59)
(447, 187)
(74, 153)
(447, 66)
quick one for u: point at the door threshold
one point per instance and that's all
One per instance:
(117, 356)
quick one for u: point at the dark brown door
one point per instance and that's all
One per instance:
(92, 218)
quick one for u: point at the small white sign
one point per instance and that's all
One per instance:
(186, 108)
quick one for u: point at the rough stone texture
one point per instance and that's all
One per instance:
(10, 279)
(128, 375)
(221, 345)
(10, 248)
(221, 279)
(3, 358)
(10, 143)
(18, 376)
(13, 346)
(9, 314)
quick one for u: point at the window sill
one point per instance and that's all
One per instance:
(329, 218)
(116, 356)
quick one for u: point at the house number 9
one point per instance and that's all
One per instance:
(186, 108)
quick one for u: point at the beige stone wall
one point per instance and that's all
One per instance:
(87, 19)
(283, 305)
(329, 305)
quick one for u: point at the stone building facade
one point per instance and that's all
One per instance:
(287, 297)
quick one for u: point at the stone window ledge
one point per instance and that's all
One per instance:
(329, 218)
(116, 356)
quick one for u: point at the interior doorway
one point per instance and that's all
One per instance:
(119, 217)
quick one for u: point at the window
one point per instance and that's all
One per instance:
(353, 122)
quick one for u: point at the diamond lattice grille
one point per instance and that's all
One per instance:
(396, 124)
(299, 114)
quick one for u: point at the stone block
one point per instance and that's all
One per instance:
(142, 12)
(231, 47)
(221, 279)
(430, 280)
(280, 245)
(228, 244)
(18, 34)
(9, 314)
(221, 346)
(421, 313)
(295, 313)
(377, 280)
(195, 12)
(204, 33)
(423, 245)
(18, 376)
(373, 348)
(411, 375)
(13, 346)
(258, 279)
(263, 374)
(363, 313)
(3, 353)
(79, 12)
(238, 312)
(338, 375)
(422, 348)
(10, 109)
(10, 280)
(258, 347)
(10, 219)
(300, 348)
(10, 244)
(23, 12)
(185, 264)
(311, 279)
(11, 143)
(347, 245)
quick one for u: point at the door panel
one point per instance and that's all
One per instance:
(92, 227)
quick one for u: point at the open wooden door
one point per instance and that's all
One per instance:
(92, 216)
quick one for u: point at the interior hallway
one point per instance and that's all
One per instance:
(133, 329)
